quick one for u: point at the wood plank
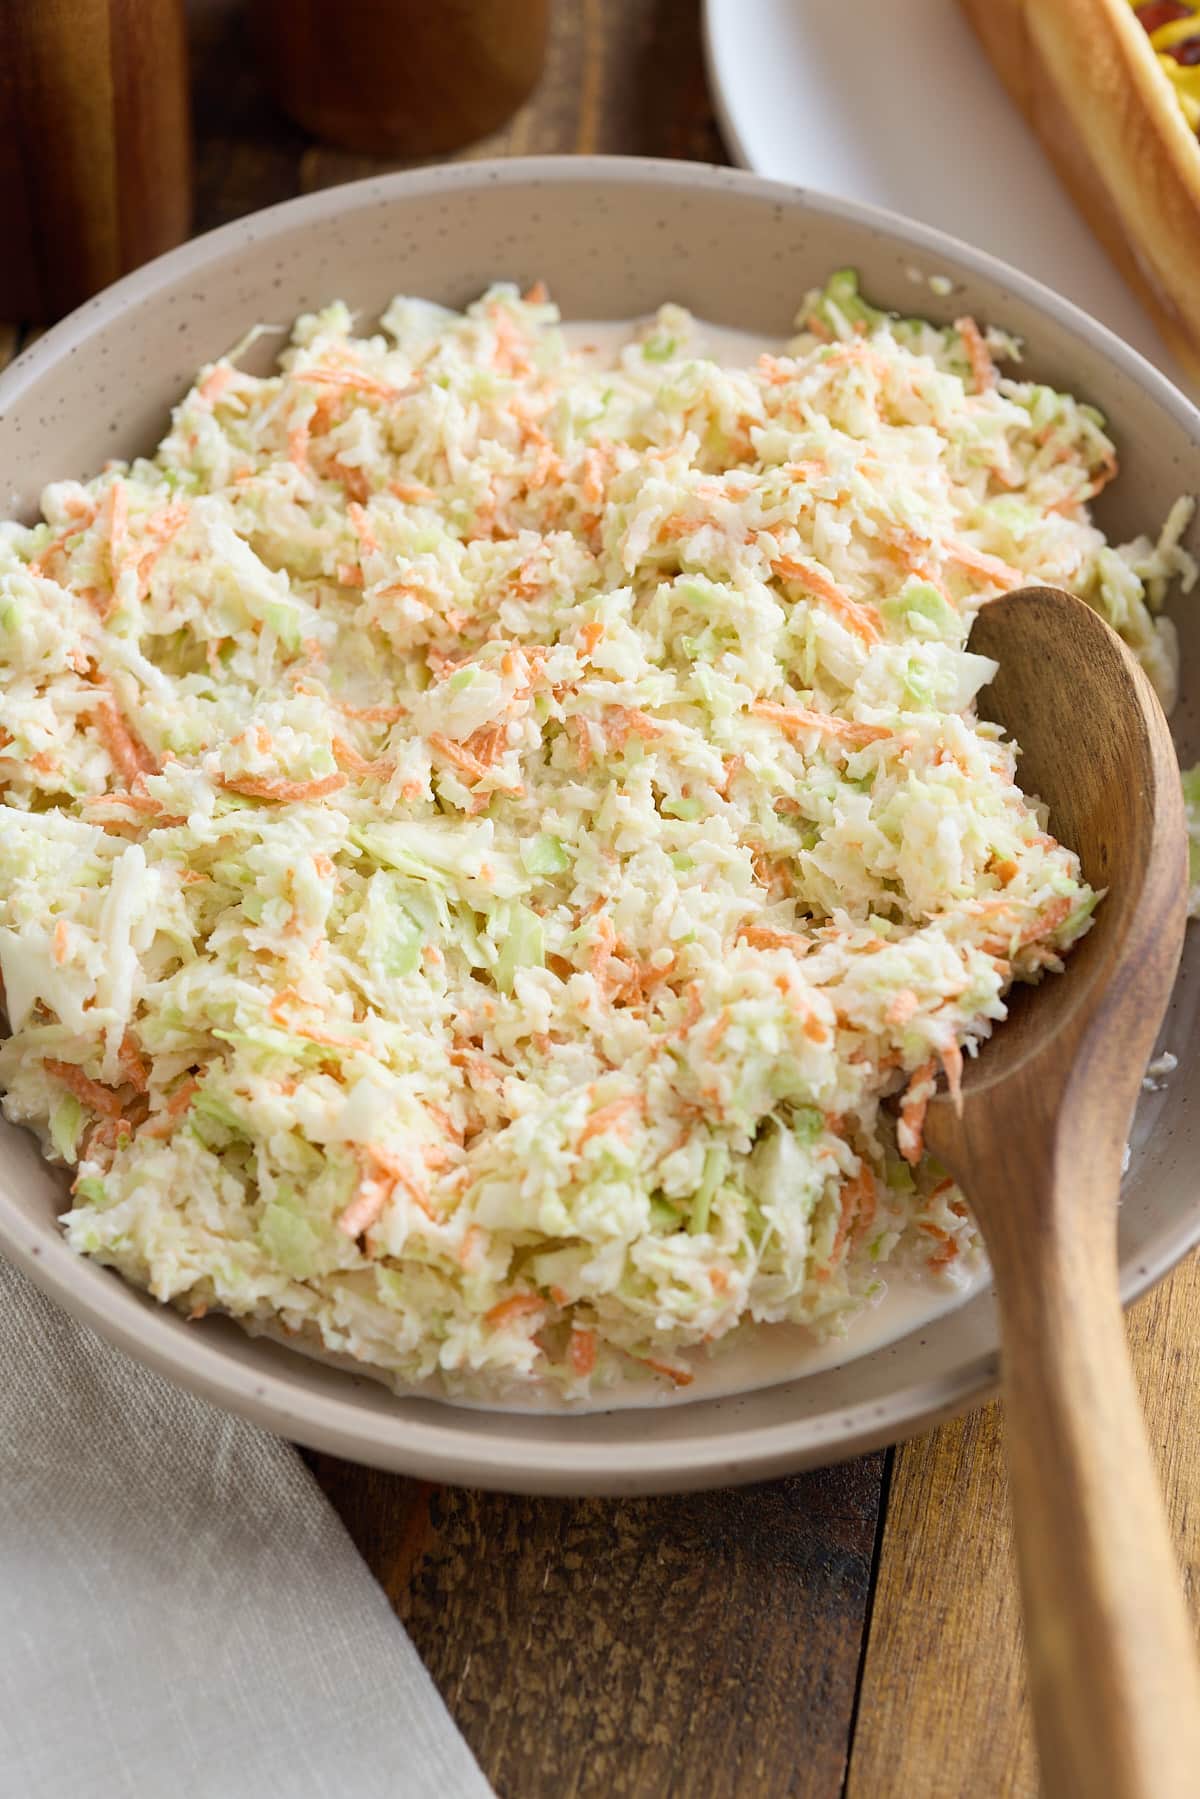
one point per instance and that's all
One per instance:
(943, 1710)
(590, 1649)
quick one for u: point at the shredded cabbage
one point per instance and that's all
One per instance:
(484, 834)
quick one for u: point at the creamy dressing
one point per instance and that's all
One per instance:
(763, 1355)
(753, 1357)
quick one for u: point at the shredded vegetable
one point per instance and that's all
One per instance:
(498, 849)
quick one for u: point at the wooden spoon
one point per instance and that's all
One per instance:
(1038, 1149)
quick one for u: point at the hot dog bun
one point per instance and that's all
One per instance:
(1085, 76)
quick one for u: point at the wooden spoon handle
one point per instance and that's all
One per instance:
(1112, 1658)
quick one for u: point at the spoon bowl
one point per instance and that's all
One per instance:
(1037, 1143)
(1096, 749)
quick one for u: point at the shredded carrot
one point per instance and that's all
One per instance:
(952, 1063)
(679, 1377)
(613, 1114)
(392, 1166)
(413, 493)
(356, 513)
(279, 1009)
(349, 760)
(178, 1103)
(118, 528)
(949, 1244)
(622, 722)
(1056, 913)
(582, 1350)
(796, 720)
(731, 767)
(353, 479)
(142, 803)
(297, 446)
(102, 1139)
(902, 1008)
(862, 620)
(510, 355)
(160, 529)
(62, 941)
(129, 754)
(867, 1203)
(331, 1039)
(536, 295)
(591, 635)
(602, 947)
(857, 1200)
(457, 753)
(487, 743)
(100, 1099)
(695, 1006)
(350, 379)
(134, 1067)
(582, 732)
(776, 371)
(983, 369)
(593, 479)
(444, 1121)
(366, 1208)
(264, 787)
(913, 1107)
(979, 562)
(1109, 469)
(518, 1305)
(919, 557)
(760, 936)
(41, 563)
(383, 715)
(215, 383)
(473, 1234)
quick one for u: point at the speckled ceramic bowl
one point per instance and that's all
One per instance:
(612, 237)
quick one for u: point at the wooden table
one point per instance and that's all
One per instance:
(853, 1630)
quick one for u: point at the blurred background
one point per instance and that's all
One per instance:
(127, 124)
(619, 76)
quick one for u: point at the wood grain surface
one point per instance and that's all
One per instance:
(853, 1630)
(942, 1708)
(702, 1645)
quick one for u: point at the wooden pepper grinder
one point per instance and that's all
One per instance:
(95, 164)
(401, 78)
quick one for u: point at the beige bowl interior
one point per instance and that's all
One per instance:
(611, 237)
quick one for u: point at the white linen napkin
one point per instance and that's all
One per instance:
(180, 1608)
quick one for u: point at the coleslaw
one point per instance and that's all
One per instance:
(497, 851)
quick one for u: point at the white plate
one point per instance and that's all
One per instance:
(895, 104)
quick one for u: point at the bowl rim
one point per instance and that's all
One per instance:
(426, 1447)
